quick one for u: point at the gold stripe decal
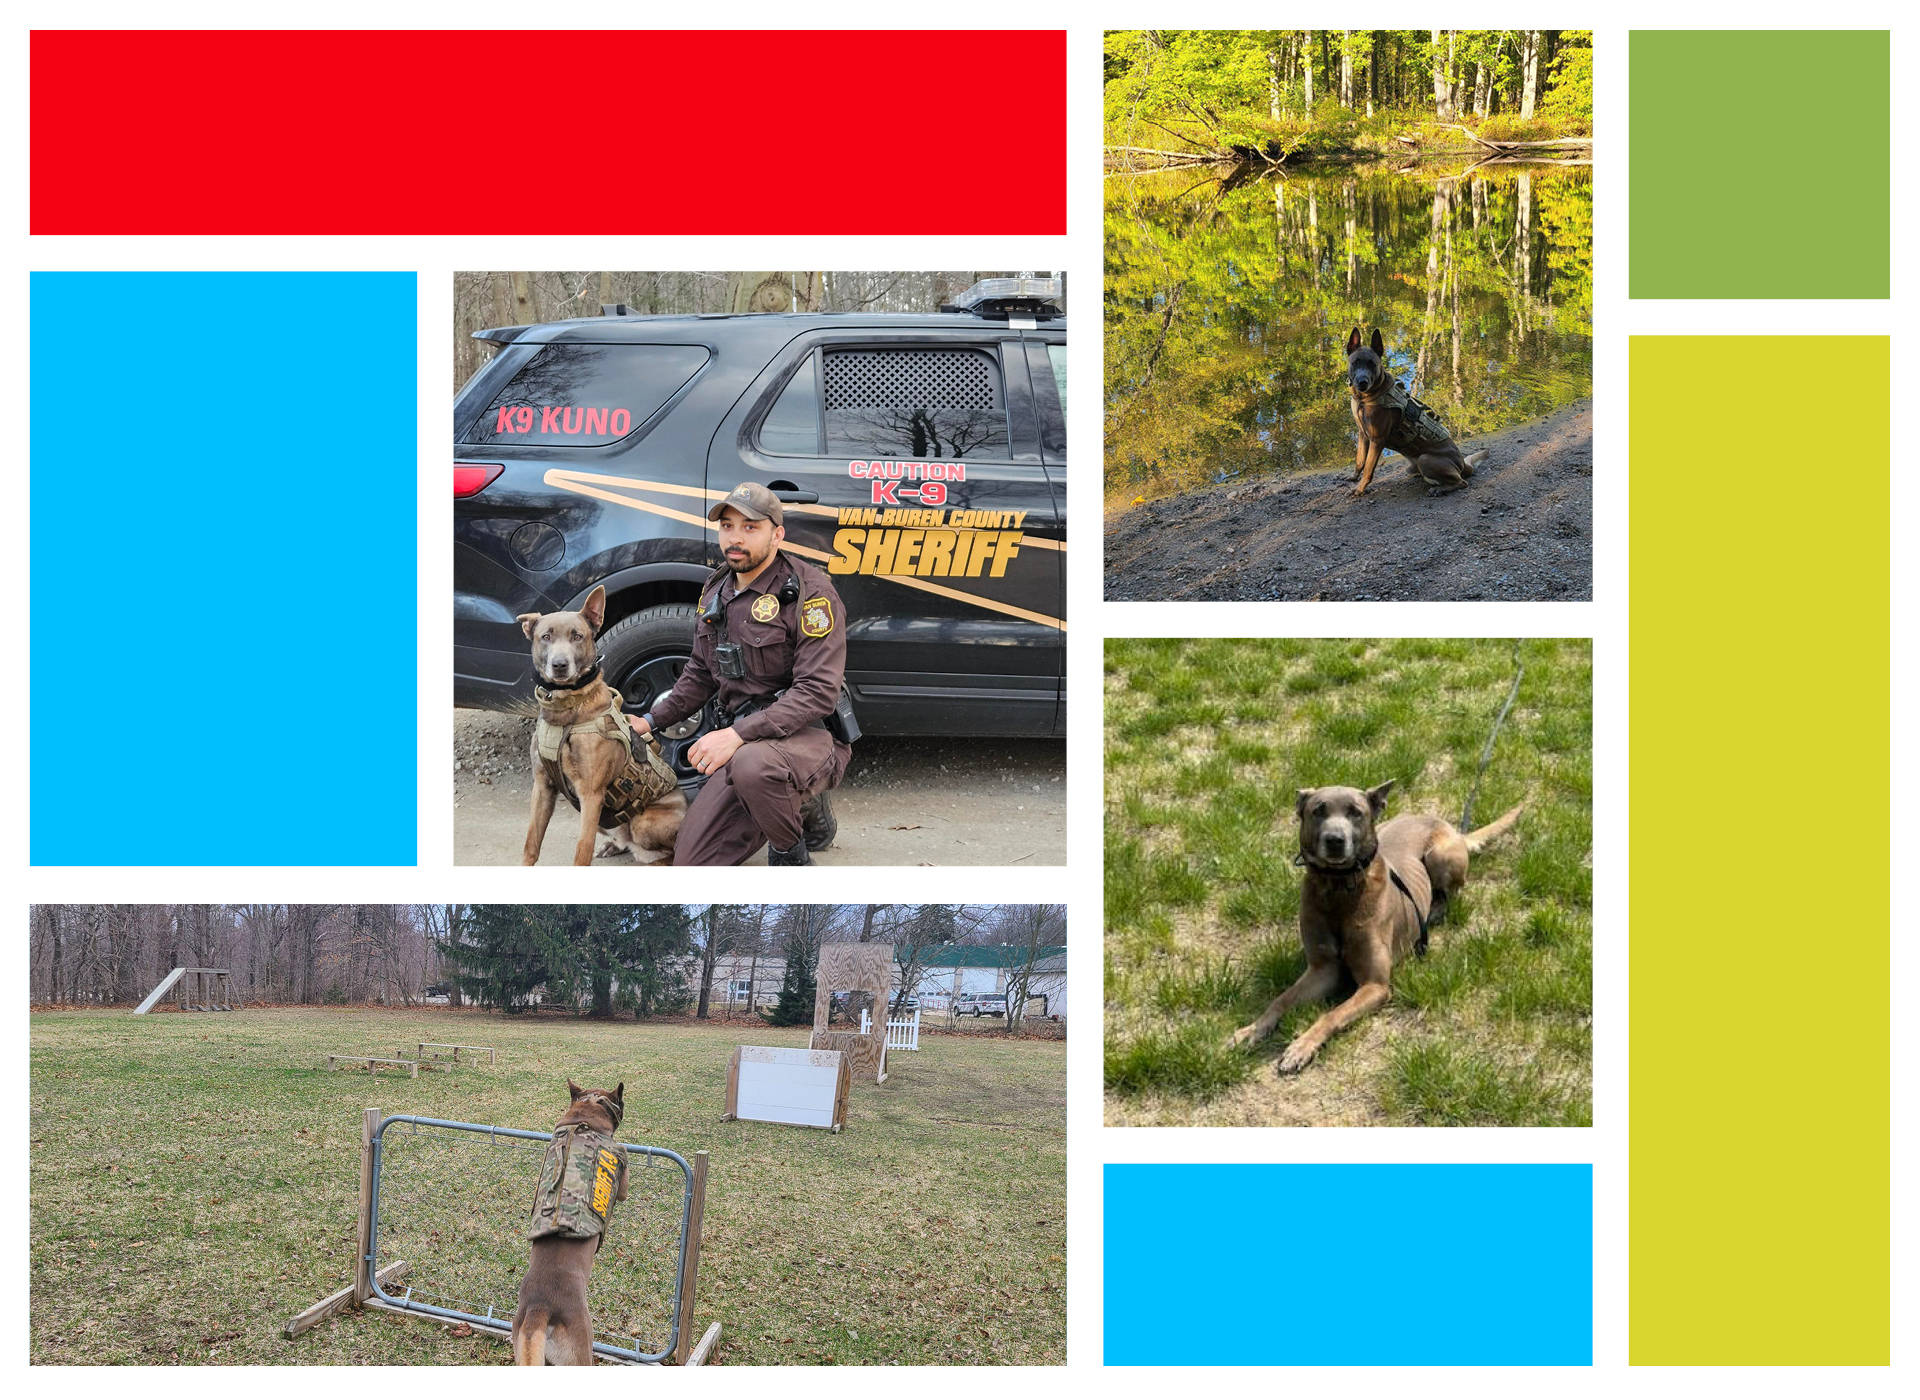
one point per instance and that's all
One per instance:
(589, 484)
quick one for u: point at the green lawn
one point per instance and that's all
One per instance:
(194, 1180)
(1207, 743)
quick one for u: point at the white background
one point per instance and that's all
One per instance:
(1290, 1284)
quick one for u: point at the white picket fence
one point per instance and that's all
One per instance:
(901, 1035)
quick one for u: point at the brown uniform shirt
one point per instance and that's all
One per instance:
(799, 647)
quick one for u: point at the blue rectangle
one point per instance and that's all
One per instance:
(1401, 1265)
(222, 623)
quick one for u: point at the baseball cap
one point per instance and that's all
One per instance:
(752, 500)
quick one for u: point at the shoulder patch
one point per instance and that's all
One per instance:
(766, 608)
(816, 617)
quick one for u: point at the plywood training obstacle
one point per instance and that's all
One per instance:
(808, 1088)
(854, 967)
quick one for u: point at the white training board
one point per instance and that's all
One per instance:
(788, 1086)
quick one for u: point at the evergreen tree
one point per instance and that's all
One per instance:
(801, 948)
(600, 956)
(501, 960)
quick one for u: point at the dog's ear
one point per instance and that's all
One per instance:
(1353, 341)
(529, 621)
(620, 1093)
(1300, 803)
(1379, 345)
(1377, 797)
(594, 610)
(574, 1091)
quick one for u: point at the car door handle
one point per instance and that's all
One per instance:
(792, 495)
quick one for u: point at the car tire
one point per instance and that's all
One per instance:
(641, 656)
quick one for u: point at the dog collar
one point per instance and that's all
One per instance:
(587, 677)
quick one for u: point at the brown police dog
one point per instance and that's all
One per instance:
(1370, 892)
(571, 691)
(551, 1325)
(1388, 417)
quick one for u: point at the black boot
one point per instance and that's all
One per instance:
(796, 856)
(818, 823)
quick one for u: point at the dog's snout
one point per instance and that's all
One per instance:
(558, 665)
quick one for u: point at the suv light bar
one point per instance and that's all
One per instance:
(996, 297)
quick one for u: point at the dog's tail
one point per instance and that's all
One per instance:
(530, 1337)
(1494, 830)
(1467, 464)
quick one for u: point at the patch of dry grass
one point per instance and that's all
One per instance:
(194, 1180)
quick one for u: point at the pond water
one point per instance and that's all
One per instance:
(1230, 292)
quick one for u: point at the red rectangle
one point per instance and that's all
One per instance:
(556, 132)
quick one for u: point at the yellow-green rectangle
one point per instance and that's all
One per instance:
(1759, 917)
(1758, 163)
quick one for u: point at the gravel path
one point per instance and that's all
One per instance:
(1522, 529)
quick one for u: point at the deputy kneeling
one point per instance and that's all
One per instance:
(771, 644)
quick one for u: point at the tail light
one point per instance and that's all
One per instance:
(471, 478)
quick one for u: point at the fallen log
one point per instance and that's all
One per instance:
(1202, 157)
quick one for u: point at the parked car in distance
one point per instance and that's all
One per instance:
(980, 1004)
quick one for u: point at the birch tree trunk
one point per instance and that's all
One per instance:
(1530, 72)
(1306, 67)
(1442, 91)
(1273, 85)
(1346, 68)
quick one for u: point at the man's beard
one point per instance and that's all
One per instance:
(751, 561)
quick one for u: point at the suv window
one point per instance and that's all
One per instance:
(942, 405)
(792, 426)
(1058, 355)
(586, 395)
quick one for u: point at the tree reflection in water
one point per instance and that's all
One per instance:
(1229, 297)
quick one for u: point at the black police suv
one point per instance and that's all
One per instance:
(921, 460)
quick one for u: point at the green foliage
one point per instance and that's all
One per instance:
(1568, 105)
(1228, 300)
(1278, 90)
(334, 996)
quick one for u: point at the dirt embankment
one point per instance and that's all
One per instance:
(1521, 530)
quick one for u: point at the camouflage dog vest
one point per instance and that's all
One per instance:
(578, 1183)
(646, 780)
(1419, 430)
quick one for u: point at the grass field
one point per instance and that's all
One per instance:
(1207, 743)
(194, 1179)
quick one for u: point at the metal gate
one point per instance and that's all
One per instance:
(466, 1240)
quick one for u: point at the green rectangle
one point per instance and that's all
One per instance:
(1758, 164)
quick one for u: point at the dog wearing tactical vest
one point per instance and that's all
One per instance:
(1387, 416)
(1371, 889)
(582, 1177)
(584, 747)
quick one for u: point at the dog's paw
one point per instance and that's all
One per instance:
(1299, 1055)
(1245, 1036)
(1357, 492)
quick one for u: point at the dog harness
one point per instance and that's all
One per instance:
(1351, 877)
(646, 780)
(1419, 429)
(579, 1181)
